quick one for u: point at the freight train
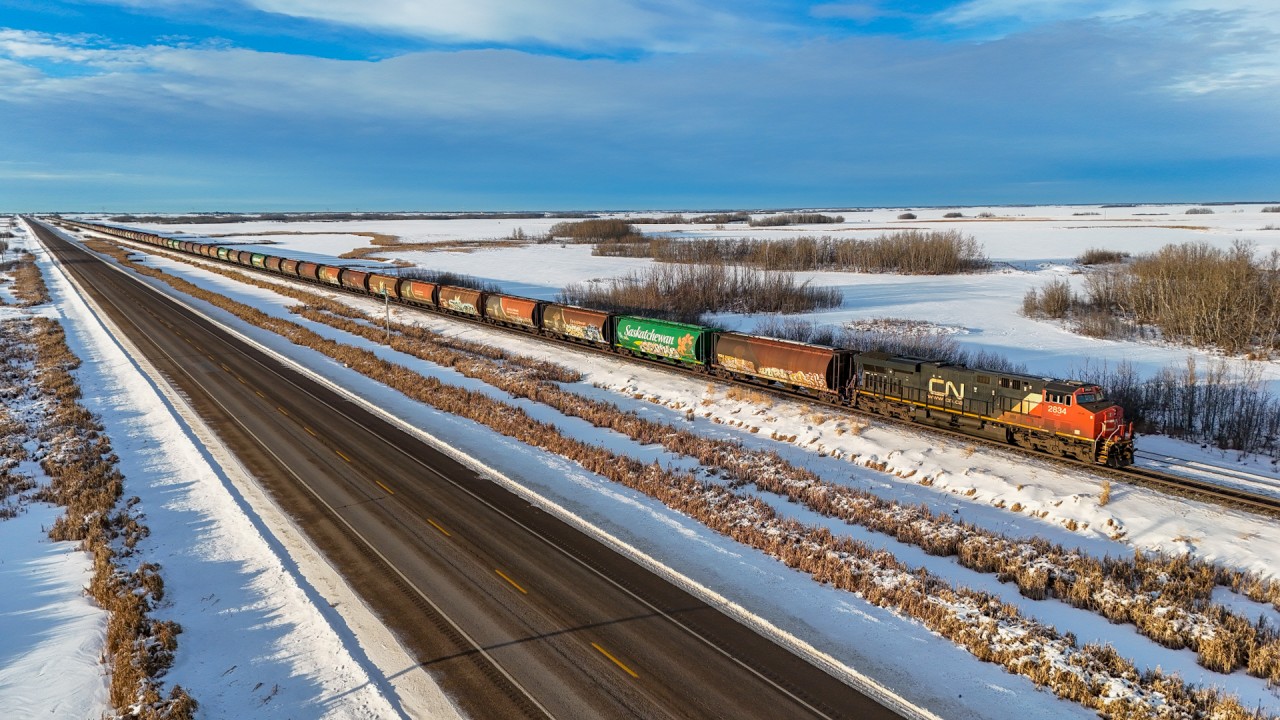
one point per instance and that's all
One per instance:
(1060, 417)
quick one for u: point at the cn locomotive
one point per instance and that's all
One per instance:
(1060, 417)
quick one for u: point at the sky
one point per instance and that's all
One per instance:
(251, 105)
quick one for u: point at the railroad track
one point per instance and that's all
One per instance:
(1190, 487)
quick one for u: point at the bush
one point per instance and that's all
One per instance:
(586, 231)
(796, 219)
(907, 216)
(1200, 211)
(1227, 405)
(1054, 300)
(915, 252)
(685, 292)
(721, 218)
(1193, 293)
(953, 215)
(1271, 208)
(1099, 256)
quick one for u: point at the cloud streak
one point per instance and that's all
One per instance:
(1069, 111)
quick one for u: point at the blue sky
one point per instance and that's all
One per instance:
(204, 105)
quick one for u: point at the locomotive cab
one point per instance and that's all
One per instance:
(1083, 411)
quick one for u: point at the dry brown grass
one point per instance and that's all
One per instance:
(83, 479)
(28, 284)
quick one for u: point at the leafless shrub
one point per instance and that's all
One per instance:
(915, 252)
(721, 218)
(1101, 256)
(1271, 209)
(1227, 405)
(1192, 293)
(685, 292)
(1056, 298)
(907, 216)
(953, 215)
(1199, 211)
(587, 231)
(795, 219)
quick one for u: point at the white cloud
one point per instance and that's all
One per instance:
(662, 25)
(25, 46)
(1034, 12)
(856, 11)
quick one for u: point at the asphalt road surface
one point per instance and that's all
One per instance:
(514, 612)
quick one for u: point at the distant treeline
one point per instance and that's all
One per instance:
(914, 252)
(796, 219)
(330, 217)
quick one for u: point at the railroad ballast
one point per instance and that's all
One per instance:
(1059, 417)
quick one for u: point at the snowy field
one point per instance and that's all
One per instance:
(839, 629)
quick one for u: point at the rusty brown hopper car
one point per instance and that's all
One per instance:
(356, 280)
(576, 323)
(417, 291)
(812, 367)
(307, 270)
(273, 263)
(383, 284)
(511, 310)
(329, 274)
(288, 267)
(463, 301)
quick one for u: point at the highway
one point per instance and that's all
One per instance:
(514, 612)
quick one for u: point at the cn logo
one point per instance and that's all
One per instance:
(938, 386)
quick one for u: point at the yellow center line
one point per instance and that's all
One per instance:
(283, 411)
(259, 392)
(310, 432)
(384, 487)
(343, 455)
(224, 367)
(514, 584)
(436, 525)
(615, 660)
